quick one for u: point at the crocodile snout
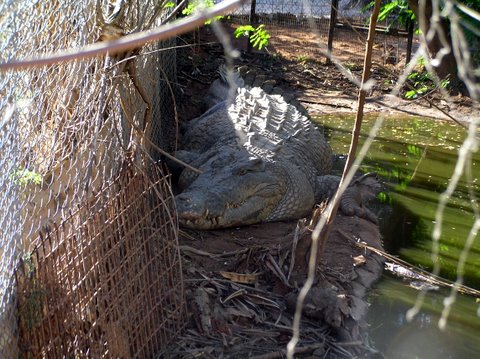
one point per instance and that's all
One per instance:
(197, 211)
(187, 208)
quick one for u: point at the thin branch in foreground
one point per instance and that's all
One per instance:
(320, 237)
(469, 146)
(127, 42)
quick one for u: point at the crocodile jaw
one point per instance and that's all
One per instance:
(200, 210)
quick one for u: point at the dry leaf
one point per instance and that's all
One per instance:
(359, 260)
(240, 278)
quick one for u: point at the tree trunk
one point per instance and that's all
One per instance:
(447, 67)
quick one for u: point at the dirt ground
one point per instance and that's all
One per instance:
(293, 61)
(242, 284)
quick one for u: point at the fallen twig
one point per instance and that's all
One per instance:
(298, 350)
(199, 252)
(273, 266)
(423, 273)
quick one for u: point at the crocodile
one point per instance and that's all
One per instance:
(260, 159)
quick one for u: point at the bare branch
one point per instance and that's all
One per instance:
(319, 238)
(127, 42)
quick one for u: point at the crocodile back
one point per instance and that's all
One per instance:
(271, 128)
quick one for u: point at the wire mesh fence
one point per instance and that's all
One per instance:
(65, 132)
(315, 23)
(106, 282)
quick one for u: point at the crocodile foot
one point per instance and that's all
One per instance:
(358, 194)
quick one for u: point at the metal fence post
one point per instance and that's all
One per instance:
(409, 41)
(253, 22)
(331, 26)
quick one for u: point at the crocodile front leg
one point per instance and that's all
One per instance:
(356, 196)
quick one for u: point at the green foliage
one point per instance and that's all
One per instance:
(444, 248)
(195, 5)
(414, 150)
(198, 5)
(470, 25)
(421, 82)
(396, 11)
(31, 311)
(303, 58)
(444, 83)
(29, 264)
(24, 177)
(258, 35)
(169, 5)
(421, 61)
(368, 6)
(352, 66)
(243, 30)
(385, 198)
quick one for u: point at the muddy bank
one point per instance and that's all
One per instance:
(242, 284)
(320, 88)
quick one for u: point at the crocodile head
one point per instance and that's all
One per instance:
(233, 189)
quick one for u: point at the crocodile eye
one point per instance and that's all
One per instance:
(253, 165)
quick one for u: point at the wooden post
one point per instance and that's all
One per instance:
(331, 26)
(409, 41)
(253, 22)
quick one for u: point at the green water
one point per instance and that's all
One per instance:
(416, 158)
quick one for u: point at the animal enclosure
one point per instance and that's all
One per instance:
(321, 25)
(89, 257)
(89, 263)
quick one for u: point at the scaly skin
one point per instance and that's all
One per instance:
(261, 160)
(236, 189)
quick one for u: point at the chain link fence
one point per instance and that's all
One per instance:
(66, 130)
(307, 22)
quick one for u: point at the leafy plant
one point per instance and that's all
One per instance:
(198, 5)
(444, 83)
(352, 66)
(34, 296)
(414, 150)
(420, 88)
(395, 11)
(24, 177)
(258, 35)
(385, 198)
(303, 58)
(421, 61)
(421, 83)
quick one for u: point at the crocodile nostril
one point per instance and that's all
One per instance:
(183, 202)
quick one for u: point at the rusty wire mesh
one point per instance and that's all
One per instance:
(308, 22)
(106, 282)
(65, 128)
